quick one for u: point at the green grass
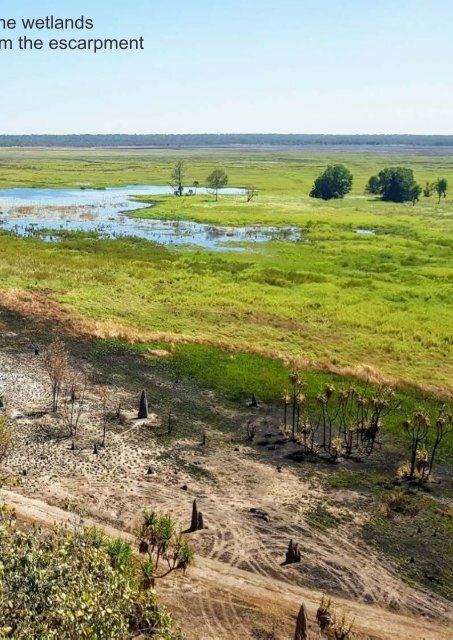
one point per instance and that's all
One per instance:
(321, 519)
(357, 480)
(335, 299)
(237, 375)
(422, 529)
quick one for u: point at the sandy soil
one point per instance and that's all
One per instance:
(237, 584)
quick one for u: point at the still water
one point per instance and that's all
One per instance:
(38, 212)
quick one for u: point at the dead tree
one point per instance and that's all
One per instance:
(444, 427)
(75, 387)
(301, 632)
(56, 363)
(143, 407)
(251, 193)
(177, 177)
(324, 616)
(251, 430)
(105, 415)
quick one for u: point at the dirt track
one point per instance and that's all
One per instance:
(237, 583)
(218, 587)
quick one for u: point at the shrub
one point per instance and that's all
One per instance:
(61, 585)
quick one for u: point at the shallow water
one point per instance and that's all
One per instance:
(27, 212)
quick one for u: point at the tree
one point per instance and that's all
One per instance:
(218, 179)
(426, 435)
(251, 193)
(75, 387)
(372, 186)
(335, 182)
(415, 193)
(58, 585)
(397, 184)
(159, 540)
(56, 363)
(196, 184)
(441, 186)
(428, 190)
(177, 177)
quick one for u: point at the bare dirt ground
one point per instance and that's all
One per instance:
(238, 583)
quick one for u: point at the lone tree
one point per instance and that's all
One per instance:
(218, 179)
(334, 183)
(74, 387)
(441, 186)
(177, 177)
(395, 184)
(56, 363)
(161, 542)
(251, 193)
(5, 439)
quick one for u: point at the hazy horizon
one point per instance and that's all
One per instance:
(228, 133)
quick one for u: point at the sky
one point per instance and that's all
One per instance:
(235, 66)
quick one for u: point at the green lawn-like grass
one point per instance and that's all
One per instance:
(335, 299)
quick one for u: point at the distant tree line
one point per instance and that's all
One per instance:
(221, 140)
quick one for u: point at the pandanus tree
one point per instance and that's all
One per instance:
(166, 549)
(425, 437)
(344, 422)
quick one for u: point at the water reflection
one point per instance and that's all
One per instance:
(38, 212)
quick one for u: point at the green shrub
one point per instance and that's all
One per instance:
(57, 584)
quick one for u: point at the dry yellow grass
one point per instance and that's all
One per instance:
(40, 308)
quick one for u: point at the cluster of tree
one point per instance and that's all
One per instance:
(440, 186)
(344, 423)
(392, 184)
(68, 390)
(395, 184)
(221, 140)
(215, 181)
(425, 435)
(64, 585)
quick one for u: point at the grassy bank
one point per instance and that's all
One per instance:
(336, 299)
